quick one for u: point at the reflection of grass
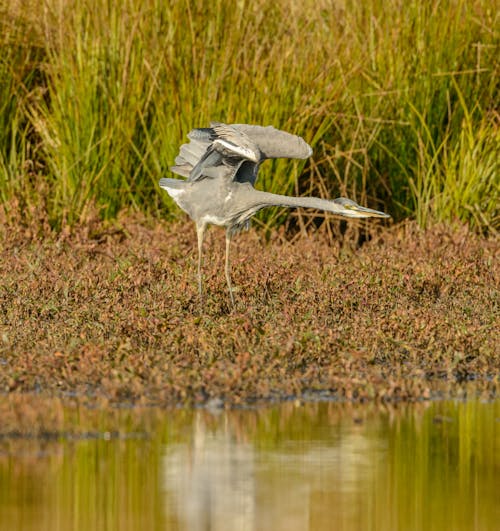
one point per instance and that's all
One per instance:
(398, 100)
(378, 466)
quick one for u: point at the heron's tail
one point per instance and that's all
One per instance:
(176, 184)
(174, 187)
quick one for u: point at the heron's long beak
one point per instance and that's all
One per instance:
(358, 211)
(369, 212)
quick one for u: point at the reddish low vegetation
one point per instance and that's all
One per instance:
(112, 313)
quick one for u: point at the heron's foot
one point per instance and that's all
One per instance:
(232, 290)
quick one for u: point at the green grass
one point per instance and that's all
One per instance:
(399, 100)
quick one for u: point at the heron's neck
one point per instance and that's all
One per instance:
(265, 199)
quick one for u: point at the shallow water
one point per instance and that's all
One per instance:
(324, 466)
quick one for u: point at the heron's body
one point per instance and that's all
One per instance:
(220, 210)
(221, 165)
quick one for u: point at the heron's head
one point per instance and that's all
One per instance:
(351, 209)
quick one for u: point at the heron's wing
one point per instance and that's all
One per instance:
(228, 149)
(256, 143)
(237, 149)
(274, 143)
(191, 153)
(234, 144)
(218, 151)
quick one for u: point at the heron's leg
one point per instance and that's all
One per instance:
(200, 231)
(227, 269)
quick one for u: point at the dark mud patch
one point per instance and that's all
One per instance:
(111, 315)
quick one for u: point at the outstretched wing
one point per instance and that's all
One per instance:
(235, 151)
(274, 143)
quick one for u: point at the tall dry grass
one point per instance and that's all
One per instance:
(398, 99)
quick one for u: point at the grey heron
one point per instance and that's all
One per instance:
(221, 163)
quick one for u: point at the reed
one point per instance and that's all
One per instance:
(399, 100)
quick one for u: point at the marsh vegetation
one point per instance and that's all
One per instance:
(398, 99)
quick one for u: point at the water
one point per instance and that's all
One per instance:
(291, 467)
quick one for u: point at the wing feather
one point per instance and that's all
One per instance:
(274, 143)
(233, 143)
(183, 169)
